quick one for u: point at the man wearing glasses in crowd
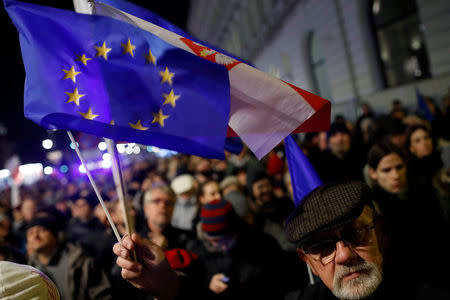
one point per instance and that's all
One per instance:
(341, 235)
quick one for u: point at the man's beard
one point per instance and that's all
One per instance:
(360, 287)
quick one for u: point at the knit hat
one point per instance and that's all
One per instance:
(180, 259)
(24, 282)
(50, 223)
(327, 207)
(182, 184)
(227, 181)
(217, 218)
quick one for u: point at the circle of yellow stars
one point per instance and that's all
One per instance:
(102, 51)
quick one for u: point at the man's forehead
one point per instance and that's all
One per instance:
(365, 217)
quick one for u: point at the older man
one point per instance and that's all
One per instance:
(340, 234)
(159, 205)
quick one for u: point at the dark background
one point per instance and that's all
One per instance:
(19, 135)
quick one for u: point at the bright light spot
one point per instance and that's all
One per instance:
(72, 146)
(131, 145)
(376, 7)
(121, 148)
(137, 150)
(81, 169)
(64, 169)
(149, 149)
(106, 164)
(47, 144)
(102, 146)
(129, 150)
(48, 170)
(4, 173)
(155, 149)
(106, 156)
(30, 168)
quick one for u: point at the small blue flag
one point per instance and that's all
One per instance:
(304, 178)
(105, 77)
(423, 107)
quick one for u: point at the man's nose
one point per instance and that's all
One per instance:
(344, 253)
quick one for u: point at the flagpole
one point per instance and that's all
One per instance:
(94, 186)
(120, 187)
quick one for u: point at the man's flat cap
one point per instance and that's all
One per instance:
(327, 207)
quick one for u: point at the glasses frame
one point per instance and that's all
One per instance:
(329, 258)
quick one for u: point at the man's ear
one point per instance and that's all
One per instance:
(306, 259)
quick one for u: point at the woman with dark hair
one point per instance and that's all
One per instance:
(412, 213)
(425, 161)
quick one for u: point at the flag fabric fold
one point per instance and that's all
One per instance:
(263, 109)
(105, 77)
(423, 107)
(304, 178)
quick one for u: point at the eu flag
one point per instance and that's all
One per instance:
(105, 77)
(304, 178)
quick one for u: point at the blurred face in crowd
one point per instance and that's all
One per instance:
(211, 192)
(421, 144)
(390, 173)
(28, 209)
(262, 191)
(339, 143)
(158, 207)
(82, 210)
(350, 264)
(40, 239)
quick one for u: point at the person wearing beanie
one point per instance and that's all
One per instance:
(186, 205)
(68, 265)
(235, 258)
(339, 161)
(267, 212)
(232, 192)
(84, 227)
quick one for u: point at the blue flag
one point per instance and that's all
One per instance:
(105, 77)
(423, 107)
(304, 178)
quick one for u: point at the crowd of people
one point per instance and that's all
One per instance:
(222, 224)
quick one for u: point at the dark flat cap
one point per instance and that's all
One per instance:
(327, 207)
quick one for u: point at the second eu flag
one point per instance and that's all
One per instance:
(105, 77)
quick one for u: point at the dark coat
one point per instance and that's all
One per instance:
(254, 266)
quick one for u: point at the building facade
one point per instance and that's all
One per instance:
(348, 51)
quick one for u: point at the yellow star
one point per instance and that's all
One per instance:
(112, 122)
(170, 98)
(74, 97)
(204, 53)
(83, 59)
(71, 74)
(128, 48)
(150, 58)
(138, 126)
(102, 51)
(89, 115)
(159, 118)
(166, 76)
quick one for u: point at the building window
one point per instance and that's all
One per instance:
(318, 67)
(401, 44)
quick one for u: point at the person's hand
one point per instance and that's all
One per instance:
(151, 272)
(217, 285)
(159, 239)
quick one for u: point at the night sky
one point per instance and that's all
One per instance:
(24, 137)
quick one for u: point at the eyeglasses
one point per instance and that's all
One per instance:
(325, 250)
(157, 201)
